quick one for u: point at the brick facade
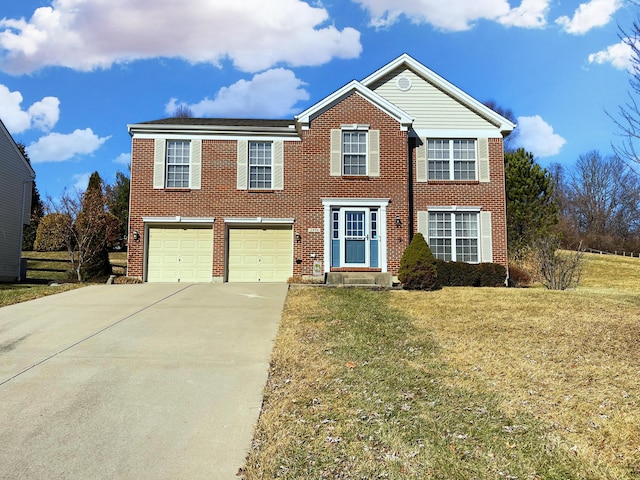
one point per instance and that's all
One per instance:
(307, 181)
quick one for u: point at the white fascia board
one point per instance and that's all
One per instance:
(27, 165)
(325, 104)
(259, 221)
(200, 136)
(503, 124)
(454, 208)
(178, 219)
(456, 133)
(153, 130)
(355, 202)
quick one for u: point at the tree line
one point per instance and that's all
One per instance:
(87, 224)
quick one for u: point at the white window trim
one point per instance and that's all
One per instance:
(167, 164)
(271, 166)
(379, 203)
(452, 161)
(354, 128)
(453, 210)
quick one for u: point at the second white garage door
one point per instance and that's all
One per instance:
(260, 254)
(180, 254)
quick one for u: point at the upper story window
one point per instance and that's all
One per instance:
(354, 153)
(451, 159)
(178, 159)
(260, 165)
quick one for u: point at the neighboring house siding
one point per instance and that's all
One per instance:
(15, 205)
(430, 107)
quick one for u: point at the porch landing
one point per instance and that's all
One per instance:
(360, 279)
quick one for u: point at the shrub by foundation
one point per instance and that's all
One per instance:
(417, 266)
(461, 274)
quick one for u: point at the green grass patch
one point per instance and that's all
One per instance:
(44, 268)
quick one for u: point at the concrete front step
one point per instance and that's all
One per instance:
(356, 279)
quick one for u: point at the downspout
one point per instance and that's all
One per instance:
(409, 190)
(22, 209)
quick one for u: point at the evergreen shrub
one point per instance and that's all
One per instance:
(417, 266)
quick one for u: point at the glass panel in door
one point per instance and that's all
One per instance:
(356, 238)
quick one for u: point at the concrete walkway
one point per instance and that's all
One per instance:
(153, 381)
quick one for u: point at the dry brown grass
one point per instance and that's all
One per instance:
(569, 358)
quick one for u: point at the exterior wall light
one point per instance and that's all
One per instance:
(136, 236)
(298, 237)
(398, 221)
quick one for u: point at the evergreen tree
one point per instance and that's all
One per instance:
(531, 207)
(92, 224)
(37, 210)
(117, 197)
(417, 266)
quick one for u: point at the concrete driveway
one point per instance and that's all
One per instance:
(153, 381)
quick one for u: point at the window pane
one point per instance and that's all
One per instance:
(464, 154)
(467, 237)
(260, 164)
(178, 153)
(354, 153)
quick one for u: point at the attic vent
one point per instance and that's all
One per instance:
(403, 83)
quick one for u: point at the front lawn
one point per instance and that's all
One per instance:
(459, 383)
(44, 268)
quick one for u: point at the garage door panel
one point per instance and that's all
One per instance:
(260, 255)
(180, 254)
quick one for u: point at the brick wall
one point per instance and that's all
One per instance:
(490, 196)
(307, 181)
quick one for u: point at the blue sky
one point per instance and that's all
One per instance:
(74, 73)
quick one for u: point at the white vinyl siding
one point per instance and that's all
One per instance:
(15, 205)
(430, 107)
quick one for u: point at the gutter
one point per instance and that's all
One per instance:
(22, 212)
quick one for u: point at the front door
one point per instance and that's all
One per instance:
(355, 237)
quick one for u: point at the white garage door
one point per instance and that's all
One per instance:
(260, 254)
(180, 254)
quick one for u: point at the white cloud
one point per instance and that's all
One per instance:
(57, 147)
(595, 13)
(456, 15)
(42, 115)
(537, 136)
(254, 34)
(618, 55)
(530, 14)
(123, 159)
(81, 181)
(271, 94)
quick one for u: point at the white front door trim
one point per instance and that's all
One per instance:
(379, 203)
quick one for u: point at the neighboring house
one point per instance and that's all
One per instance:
(16, 182)
(341, 187)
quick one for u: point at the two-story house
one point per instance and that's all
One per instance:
(341, 187)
